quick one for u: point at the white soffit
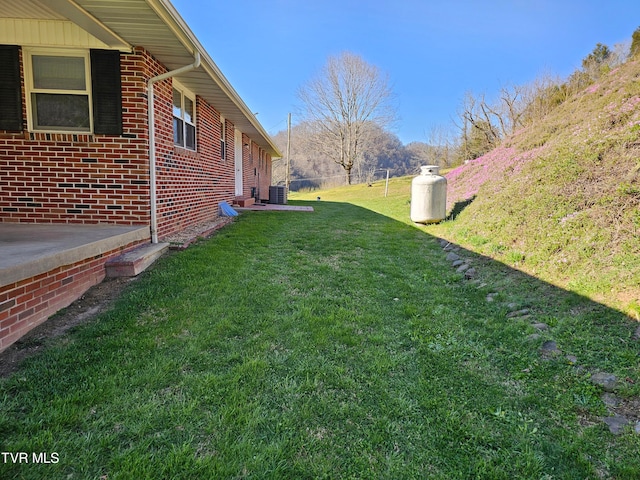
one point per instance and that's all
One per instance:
(46, 33)
(51, 16)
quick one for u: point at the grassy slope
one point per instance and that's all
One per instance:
(560, 200)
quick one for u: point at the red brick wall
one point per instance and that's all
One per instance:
(264, 169)
(29, 302)
(191, 184)
(248, 181)
(256, 170)
(69, 178)
(79, 178)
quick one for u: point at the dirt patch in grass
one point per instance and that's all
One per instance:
(185, 237)
(94, 301)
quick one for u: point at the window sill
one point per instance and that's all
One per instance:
(178, 150)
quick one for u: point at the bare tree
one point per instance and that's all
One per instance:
(341, 103)
(509, 108)
(439, 151)
(541, 96)
(478, 128)
(483, 124)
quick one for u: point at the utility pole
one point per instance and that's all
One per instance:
(386, 185)
(287, 179)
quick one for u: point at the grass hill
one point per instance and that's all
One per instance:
(559, 200)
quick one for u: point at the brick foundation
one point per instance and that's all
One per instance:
(27, 303)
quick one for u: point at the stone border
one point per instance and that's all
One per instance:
(623, 412)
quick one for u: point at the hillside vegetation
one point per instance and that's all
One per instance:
(560, 199)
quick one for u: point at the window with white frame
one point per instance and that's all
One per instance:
(58, 84)
(184, 119)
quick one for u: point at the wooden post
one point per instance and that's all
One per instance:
(386, 185)
(287, 179)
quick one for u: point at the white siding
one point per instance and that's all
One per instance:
(45, 33)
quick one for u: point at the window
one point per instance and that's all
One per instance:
(73, 90)
(59, 91)
(184, 128)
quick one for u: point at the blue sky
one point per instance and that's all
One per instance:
(433, 51)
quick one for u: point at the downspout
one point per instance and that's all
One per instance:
(152, 138)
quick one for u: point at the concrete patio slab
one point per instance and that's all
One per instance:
(27, 250)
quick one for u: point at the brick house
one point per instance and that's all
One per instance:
(82, 143)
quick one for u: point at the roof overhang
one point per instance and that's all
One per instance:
(156, 26)
(79, 16)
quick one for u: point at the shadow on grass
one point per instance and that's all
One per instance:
(339, 344)
(459, 207)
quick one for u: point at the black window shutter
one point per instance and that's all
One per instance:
(10, 89)
(106, 92)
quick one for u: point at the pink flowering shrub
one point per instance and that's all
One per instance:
(465, 181)
(628, 106)
(592, 88)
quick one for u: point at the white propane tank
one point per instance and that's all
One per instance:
(428, 196)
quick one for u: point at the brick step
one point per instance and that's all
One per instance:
(135, 261)
(244, 201)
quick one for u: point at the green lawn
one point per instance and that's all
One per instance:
(334, 344)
